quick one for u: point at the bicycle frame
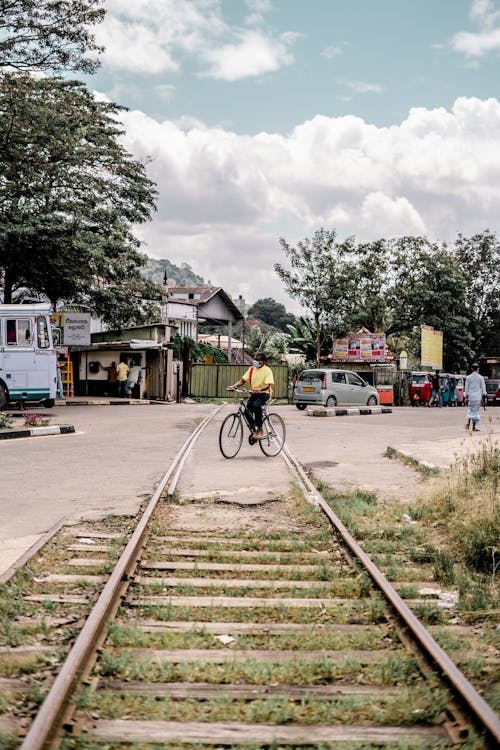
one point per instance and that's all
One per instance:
(272, 441)
(243, 411)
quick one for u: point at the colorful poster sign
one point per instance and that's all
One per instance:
(360, 347)
(431, 348)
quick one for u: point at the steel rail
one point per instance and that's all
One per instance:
(31, 552)
(486, 717)
(45, 729)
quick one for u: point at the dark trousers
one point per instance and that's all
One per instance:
(254, 406)
(122, 388)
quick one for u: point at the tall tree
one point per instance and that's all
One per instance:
(49, 35)
(478, 258)
(69, 197)
(367, 306)
(430, 288)
(319, 277)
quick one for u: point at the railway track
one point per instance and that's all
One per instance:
(274, 628)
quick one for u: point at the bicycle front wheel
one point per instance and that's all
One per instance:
(274, 435)
(231, 436)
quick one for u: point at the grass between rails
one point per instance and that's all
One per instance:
(356, 612)
(426, 705)
(395, 669)
(367, 637)
(81, 743)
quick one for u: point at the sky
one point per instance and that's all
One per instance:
(261, 119)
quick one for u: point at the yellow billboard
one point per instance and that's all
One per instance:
(431, 348)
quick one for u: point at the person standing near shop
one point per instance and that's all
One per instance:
(436, 390)
(111, 385)
(121, 378)
(134, 376)
(475, 393)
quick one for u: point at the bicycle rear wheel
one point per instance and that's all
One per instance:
(274, 435)
(231, 436)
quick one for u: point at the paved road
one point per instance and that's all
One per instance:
(119, 453)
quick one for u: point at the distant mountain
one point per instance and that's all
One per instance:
(183, 274)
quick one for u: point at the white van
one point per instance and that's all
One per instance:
(28, 359)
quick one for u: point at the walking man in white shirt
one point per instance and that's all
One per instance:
(475, 392)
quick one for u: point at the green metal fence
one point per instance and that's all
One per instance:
(210, 381)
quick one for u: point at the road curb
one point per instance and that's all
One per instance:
(348, 412)
(113, 402)
(37, 432)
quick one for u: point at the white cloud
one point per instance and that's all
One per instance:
(387, 217)
(152, 36)
(165, 91)
(133, 47)
(361, 87)
(252, 54)
(487, 39)
(226, 198)
(333, 50)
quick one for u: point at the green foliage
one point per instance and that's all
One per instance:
(272, 313)
(156, 270)
(197, 351)
(319, 278)
(70, 197)
(481, 546)
(430, 288)
(303, 339)
(49, 35)
(478, 258)
(395, 286)
(6, 421)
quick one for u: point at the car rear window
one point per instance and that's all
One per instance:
(311, 375)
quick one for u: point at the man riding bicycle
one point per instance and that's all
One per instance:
(260, 380)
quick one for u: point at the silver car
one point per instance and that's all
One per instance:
(332, 388)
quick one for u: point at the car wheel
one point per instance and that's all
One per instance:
(331, 401)
(300, 407)
(372, 401)
(49, 403)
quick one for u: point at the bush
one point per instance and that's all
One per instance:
(6, 421)
(480, 546)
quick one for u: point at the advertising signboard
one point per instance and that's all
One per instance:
(75, 327)
(431, 348)
(360, 347)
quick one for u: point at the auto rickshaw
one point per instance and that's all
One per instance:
(420, 388)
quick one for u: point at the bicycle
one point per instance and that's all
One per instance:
(231, 431)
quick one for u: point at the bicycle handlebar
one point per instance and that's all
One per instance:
(238, 390)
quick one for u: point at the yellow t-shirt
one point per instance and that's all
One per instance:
(257, 377)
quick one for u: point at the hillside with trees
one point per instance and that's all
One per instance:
(183, 275)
